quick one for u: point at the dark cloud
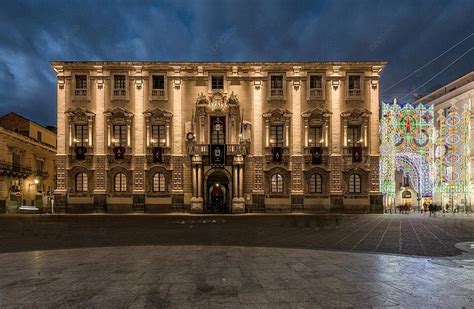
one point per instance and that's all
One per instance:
(407, 34)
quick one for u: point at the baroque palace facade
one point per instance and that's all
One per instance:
(218, 137)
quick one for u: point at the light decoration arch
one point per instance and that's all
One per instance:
(407, 144)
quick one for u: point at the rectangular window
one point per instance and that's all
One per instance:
(217, 82)
(353, 136)
(158, 135)
(158, 86)
(354, 86)
(39, 167)
(315, 136)
(120, 86)
(81, 85)
(39, 136)
(276, 85)
(217, 130)
(81, 135)
(276, 136)
(120, 135)
(16, 161)
(315, 86)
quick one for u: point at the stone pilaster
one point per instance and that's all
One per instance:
(197, 202)
(238, 201)
(297, 182)
(337, 100)
(177, 198)
(138, 143)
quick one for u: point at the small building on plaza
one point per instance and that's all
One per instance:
(27, 163)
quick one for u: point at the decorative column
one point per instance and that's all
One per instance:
(138, 144)
(238, 202)
(197, 201)
(258, 194)
(100, 148)
(177, 193)
(336, 101)
(60, 194)
(297, 196)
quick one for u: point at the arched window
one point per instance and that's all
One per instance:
(277, 183)
(81, 182)
(315, 183)
(354, 183)
(120, 182)
(159, 182)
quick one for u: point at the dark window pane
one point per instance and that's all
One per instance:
(217, 82)
(158, 82)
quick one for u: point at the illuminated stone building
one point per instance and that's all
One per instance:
(27, 163)
(218, 137)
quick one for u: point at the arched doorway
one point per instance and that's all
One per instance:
(218, 193)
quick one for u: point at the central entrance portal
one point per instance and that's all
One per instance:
(217, 195)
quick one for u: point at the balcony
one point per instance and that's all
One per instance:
(355, 93)
(163, 158)
(350, 159)
(316, 93)
(120, 92)
(231, 149)
(276, 92)
(14, 170)
(310, 161)
(42, 173)
(158, 93)
(80, 92)
(272, 155)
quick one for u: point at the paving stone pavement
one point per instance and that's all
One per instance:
(413, 234)
(231, 276)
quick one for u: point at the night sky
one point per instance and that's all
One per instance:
(407, 34)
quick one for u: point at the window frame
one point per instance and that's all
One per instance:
(159, 184)
(350, 142)
(118, 142)
(122, 186)
(355, 183)
(361, 86)
(211, 82)
(84, 141)
(275, 135)
(316, 183)
(160, 139)
(323, 87)
(272, 96)
(158, 96)
(277, 183)
(113, 89)
(313, 139)
(84, 184)
(74, 88)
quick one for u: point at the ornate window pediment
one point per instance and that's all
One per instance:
(79, 115)
(317, 116)
(277, 115)
(158, 115)
(119, 115)
(356, 116)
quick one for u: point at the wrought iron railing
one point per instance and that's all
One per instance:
(10, 167)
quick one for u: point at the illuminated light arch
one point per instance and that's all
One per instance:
(407, 143)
